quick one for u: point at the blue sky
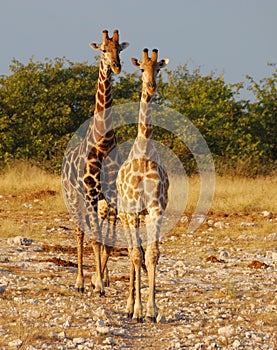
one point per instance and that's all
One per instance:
(236, 37)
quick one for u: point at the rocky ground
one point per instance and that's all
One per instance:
(216, 289)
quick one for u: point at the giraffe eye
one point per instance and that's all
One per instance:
(104, 50)
(142, 70)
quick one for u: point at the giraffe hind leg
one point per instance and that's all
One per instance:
(98, 281)
(79, 285)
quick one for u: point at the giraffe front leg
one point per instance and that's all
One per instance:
(98, 281)
(79, 285)
(151, 260)
(136, 258)
(106, 277)
(106, 252)
(131, 298)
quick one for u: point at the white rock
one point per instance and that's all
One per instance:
(27, 205)
(67, 324)
(4, 259)
(109, 341)
(226, 331)
(236, 344)
(78, 340)
(19, 240)
(102, 328)
(62, 335)
(16, 343)
(271, 237)
(221, 224)
(247, 224)
(161, 319)
(90, 344)
(267, 214)
(223, 255)
(100, 312)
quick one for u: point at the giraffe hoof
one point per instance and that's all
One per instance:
(80, 289)
(129, 315)
(151, 319)
(100, 292)
(139, 320)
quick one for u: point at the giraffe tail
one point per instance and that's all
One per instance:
(143, 265)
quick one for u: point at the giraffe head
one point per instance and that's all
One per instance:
(150, 68)
(110, 48)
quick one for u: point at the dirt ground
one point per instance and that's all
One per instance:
(216, 288)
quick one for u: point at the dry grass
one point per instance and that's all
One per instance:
(25, 178)
(30, 199)
(27, 184)
(232, 194)
(240, 194)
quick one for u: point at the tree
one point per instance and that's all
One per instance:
(263, 114)
(225, 121)
(42, 104)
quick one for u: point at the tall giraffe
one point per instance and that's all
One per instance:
(142, 185)
(84, 180)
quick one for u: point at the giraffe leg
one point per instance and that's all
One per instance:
(131, 298)
(154, 221)
(136, 259)
(110, 239)
(151, 260)
(80, 245)
(98, 282)
(106, 252)
(106, 277)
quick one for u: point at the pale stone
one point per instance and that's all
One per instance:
(236, 344)
(78, 340)
(226, 331)
(16, 343)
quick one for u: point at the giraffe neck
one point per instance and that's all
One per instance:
(144, 146)
(103, 98)
(145, 127)
(103, 133)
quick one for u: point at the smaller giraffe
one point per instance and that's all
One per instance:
(142, 185)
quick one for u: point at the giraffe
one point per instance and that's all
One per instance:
(90, 167)
(142, 185)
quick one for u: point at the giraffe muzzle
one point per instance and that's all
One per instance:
(116, 67)
(151, 88)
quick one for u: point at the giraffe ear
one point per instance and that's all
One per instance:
(95, 46)
(135, 62)
(163, 62)
(124, 45)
